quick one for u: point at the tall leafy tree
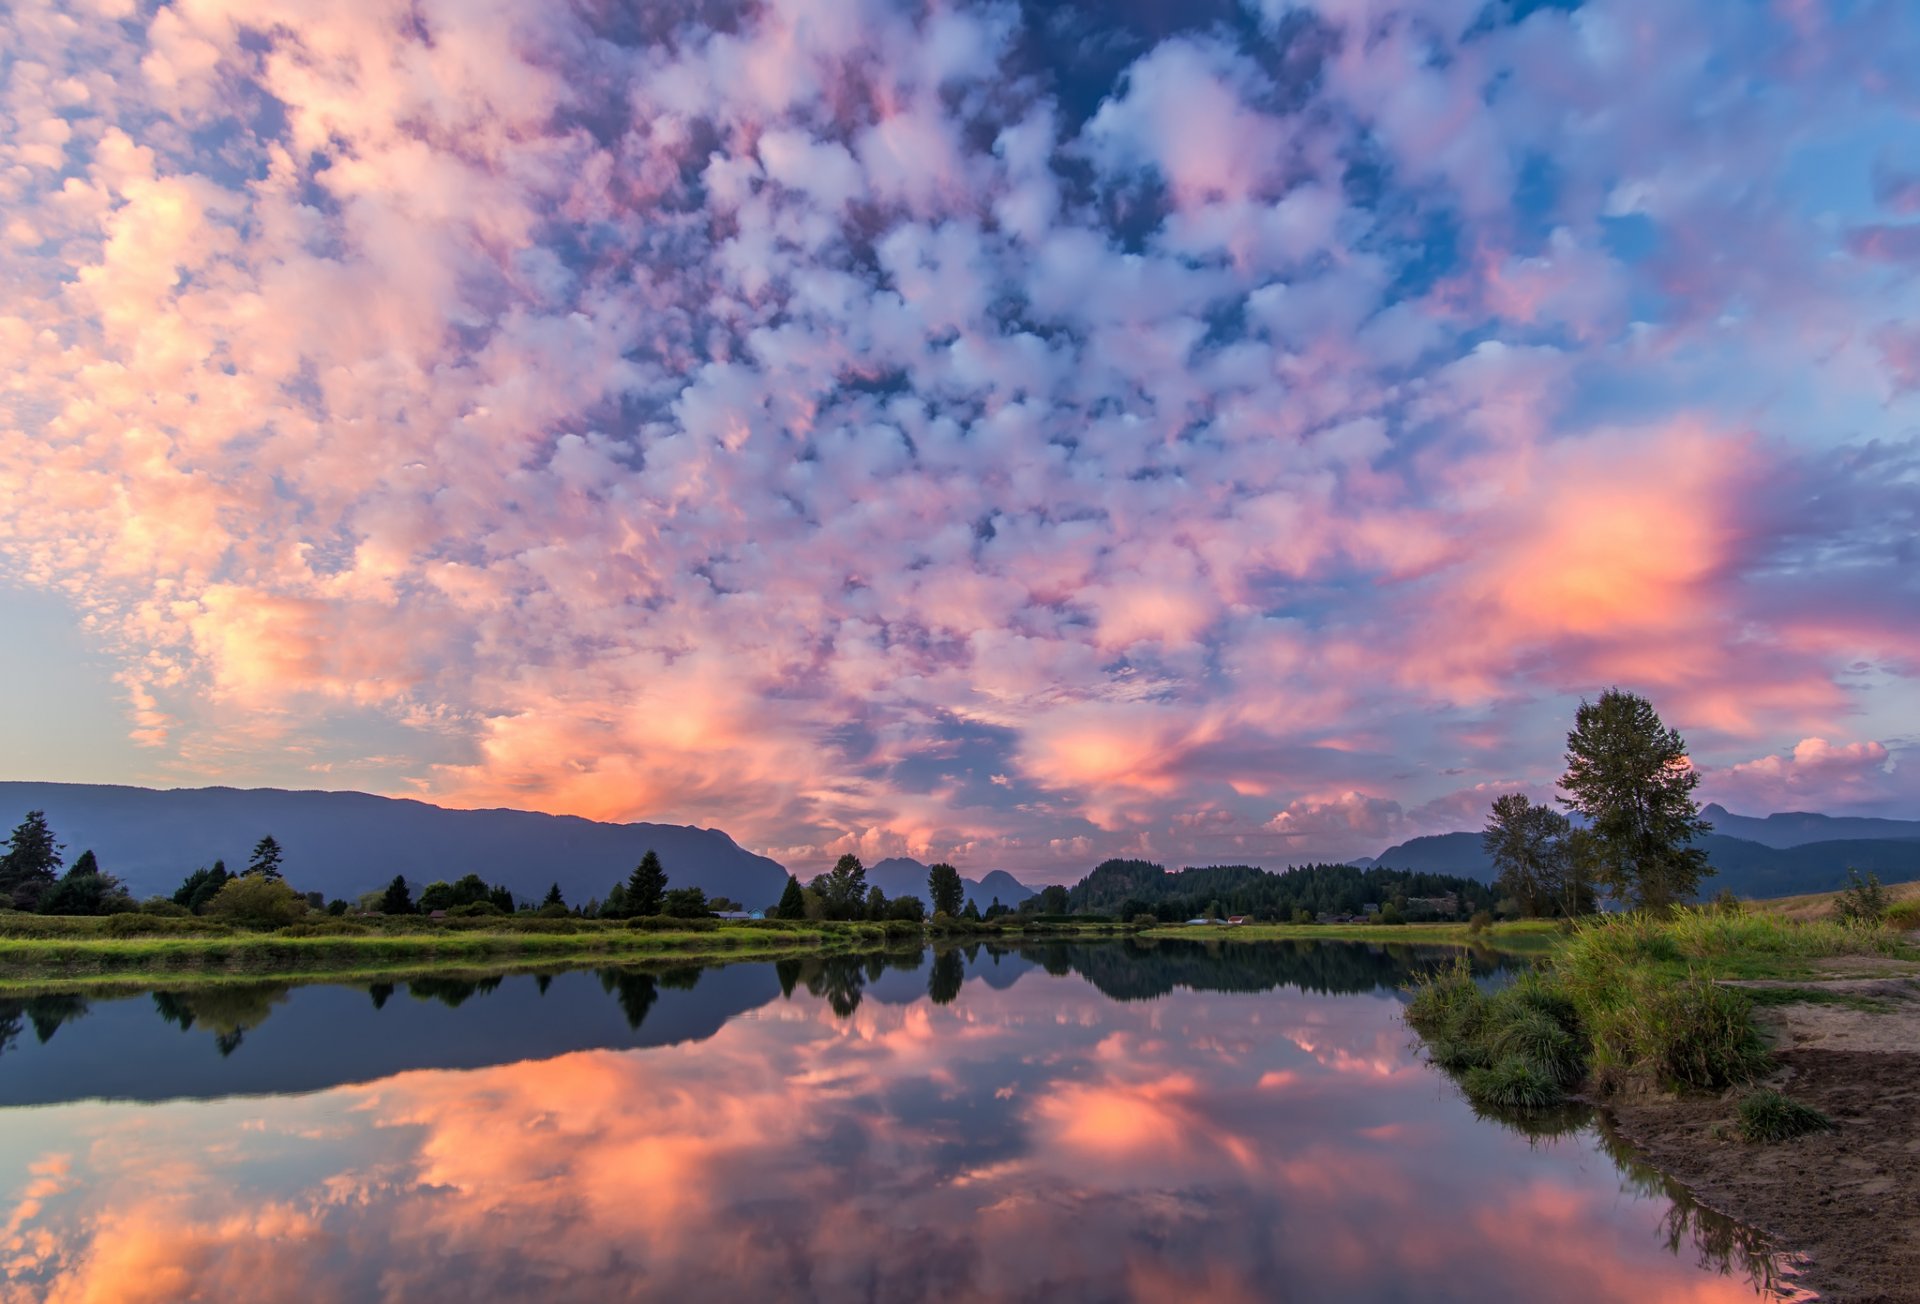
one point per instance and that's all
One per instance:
(397, 900)
(265, 861)
(647, 886)
(944, 888)
(843, 889)
(793, 901)
(32, 862)
(1532, 852)
(1629, 775)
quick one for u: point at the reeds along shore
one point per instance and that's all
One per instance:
(1629, 998)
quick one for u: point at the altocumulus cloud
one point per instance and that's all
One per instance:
(1003, 431)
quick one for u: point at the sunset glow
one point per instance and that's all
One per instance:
(1008, 433)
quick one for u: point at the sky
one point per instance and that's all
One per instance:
(1011, 433)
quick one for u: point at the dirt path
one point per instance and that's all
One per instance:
(1849, 1200)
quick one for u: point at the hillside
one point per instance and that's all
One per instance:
(904, 876)
(1750, 868)
(346, 843)
(1797, 828)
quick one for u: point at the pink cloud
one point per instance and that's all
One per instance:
(1814, 775)
(737, 426)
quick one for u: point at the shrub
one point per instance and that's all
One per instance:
(1481, 921)
(1767, 1115)
(1390, 914)
(257, 902)
(554, 910)
(1863, 901)
(164, 908)
(474, 909)
(1144, 920)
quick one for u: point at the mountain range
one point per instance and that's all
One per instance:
(1783, 854)
(346, 843)
(904, 876)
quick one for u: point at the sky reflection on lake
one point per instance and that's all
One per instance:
(1029, 1137)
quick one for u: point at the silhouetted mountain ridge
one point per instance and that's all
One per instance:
(905, 876)
(1750, 867)
(346, 843)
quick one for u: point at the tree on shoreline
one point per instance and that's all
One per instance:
(843, 889)
(1629, 775)
(397, 899)
(32, 862)
(647, 886)
(265, 861)
(1532, 850)
(944, 889)
(793, 901)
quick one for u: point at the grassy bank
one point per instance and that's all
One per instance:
(1628, 999)
(40, 952)
(1527, 937)
(82, 951)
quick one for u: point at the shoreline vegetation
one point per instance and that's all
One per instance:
(38, 952)
(1751, 1054)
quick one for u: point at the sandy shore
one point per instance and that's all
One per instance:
(1847, 1200)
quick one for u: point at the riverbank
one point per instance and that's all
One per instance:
(75, 958)
(41, 952)
(1848, 1198)
(1675, 1027)
(1525, 937)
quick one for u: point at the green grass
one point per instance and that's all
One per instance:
(1803, 995)
(1766, 1115)
(1524, 937)
(33, 962)
(1626, 997)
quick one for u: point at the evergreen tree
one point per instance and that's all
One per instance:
(554, 898)
(265, 862)
(972, 912)
(32, 862)
(876, 903)
(85, 891)
(944, 889)
(501, 897)
(398, 900)
(793, 901)
(647, 886)
(1629, 775)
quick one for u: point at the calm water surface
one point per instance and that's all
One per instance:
(1065, 1123)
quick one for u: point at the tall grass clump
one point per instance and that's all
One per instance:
(1767, 1115)
(1518, 1048)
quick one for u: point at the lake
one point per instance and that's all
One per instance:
(1111, 1121)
